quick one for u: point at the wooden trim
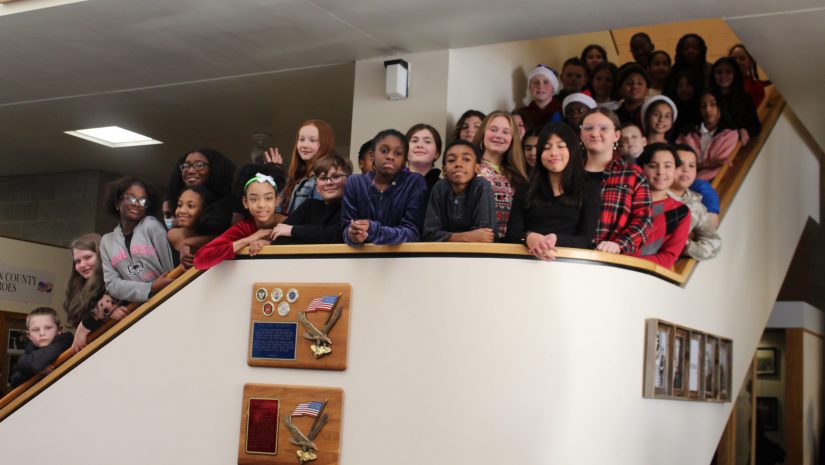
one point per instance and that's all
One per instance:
(452, 248)
(813, 333)
(793, 404)
(11, 403)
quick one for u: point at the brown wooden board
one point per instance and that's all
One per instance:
(271, 401)
(276, 337)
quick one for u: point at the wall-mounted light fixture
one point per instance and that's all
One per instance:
(398, 79)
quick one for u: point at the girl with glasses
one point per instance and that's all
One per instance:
(135, 256)
(318, 221)
(203, 167)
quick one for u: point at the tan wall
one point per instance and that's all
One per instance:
(41, 257)
(494, 77)
(717, 34)
(372, 111)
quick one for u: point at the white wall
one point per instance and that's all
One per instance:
(372, 111)
(56, 260)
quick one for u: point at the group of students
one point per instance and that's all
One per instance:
(577, 167)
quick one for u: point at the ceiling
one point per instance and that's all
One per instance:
(210, 73)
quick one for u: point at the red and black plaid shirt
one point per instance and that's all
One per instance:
(626, 214)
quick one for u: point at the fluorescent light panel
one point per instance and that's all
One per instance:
(113, 136)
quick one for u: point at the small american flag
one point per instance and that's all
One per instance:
(322, 303)
(44, 287)
(310, 409)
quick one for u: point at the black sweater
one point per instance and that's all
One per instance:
(574, 226)
(34, 360)
(314, 222)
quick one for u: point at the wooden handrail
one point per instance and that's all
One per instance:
(68, 359)
(731, 177)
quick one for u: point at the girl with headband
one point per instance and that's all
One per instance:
(257, 186)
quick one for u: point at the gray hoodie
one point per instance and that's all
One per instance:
(129, 273)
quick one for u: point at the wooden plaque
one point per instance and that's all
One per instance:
(264, 441)
(276, 334)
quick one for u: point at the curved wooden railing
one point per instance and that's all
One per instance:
(727, 183)
(18, 396)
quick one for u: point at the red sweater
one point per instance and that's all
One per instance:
(671, 226)
(221, 248)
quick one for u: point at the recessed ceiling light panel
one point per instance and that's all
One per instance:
(113, 136)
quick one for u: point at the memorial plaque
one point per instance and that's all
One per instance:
(291, 425)
(274, 341)
(309, 330)
(262, 426)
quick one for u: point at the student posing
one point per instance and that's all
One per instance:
(461, 207)
(560, 204)
(136, 255)
(625, 217)
(257, 186)
(46, 342)
(318, 221)
(87, 304)
(385, 206)
(671, 218)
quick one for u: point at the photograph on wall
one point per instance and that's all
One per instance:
(725, 367)
(662, 360)
(695, 364)
(17, 341)
(766, 365)
(680, 340)
(710, 366)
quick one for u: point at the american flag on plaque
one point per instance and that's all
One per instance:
(310, 409)
(324, 303)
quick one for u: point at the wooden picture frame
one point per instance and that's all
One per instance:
(695, 350)
(678, 377)
(725, 370)
(710, 365)
(657, 358)
(682, 363)
(766, 362)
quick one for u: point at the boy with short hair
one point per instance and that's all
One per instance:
(461, 207)
(46, 342)
(573, 77)
(671, 218)
(632, 142)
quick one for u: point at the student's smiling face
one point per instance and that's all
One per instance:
(189, 208)
(460, 164)
(260, 199)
